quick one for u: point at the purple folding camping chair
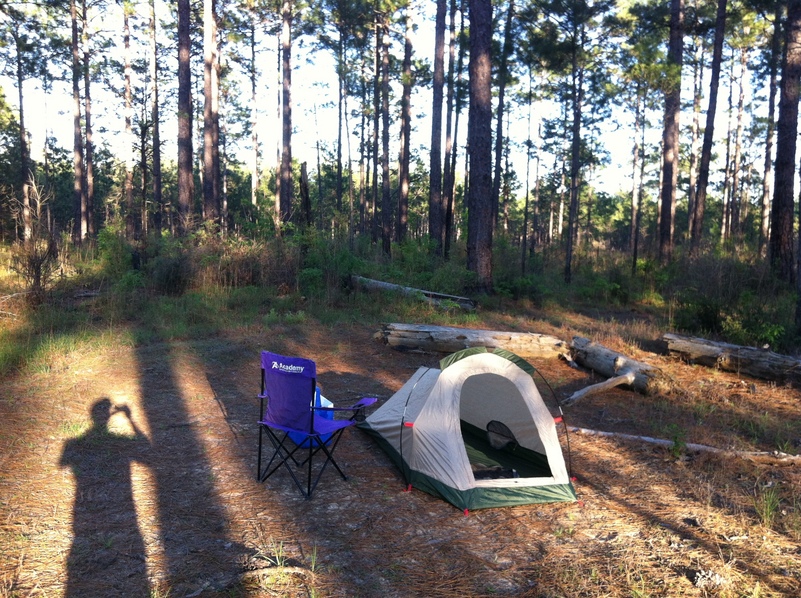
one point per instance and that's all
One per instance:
(294, 421)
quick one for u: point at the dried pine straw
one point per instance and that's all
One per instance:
(650, 521)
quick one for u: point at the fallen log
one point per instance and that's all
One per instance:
(439, 299)
(757, 363)
(775, 456)
(619, 368)
(446, 339)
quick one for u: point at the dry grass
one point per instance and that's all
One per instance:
(163, 503)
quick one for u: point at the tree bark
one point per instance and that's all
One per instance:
(386, 196)
(155, 118)
(455, 102)
(447, 339)
(739, 206)
(78, 188)
(25, 175)
(698, 72)
(499, 138)
(186, 183)
(781, 228)
(88, 209)
(750, 361)
(304, 196)
(255, 180)
(131, 213)
(405, 136)
(436, 211)
(670, 135)
(577, 99)
(479, 226)
(775, 50)
(608, 363)
(286, 86)
(211, 156)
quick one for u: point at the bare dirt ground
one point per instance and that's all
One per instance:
(130, 472)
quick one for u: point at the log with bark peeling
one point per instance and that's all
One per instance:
(774, 456)
(758, 363)
(620, 369)
(447, 339)
(439, 299)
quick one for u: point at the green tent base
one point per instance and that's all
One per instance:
(480, 498)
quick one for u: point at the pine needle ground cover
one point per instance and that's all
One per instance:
(127, 467)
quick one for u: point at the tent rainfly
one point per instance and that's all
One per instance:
(475, 432)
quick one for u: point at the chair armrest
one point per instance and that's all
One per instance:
(365, 402)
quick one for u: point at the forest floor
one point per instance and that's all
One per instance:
(129, 471)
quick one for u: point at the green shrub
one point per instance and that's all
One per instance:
(114, 251)
(171, 274)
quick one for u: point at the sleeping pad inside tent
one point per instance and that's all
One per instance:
(475, 432)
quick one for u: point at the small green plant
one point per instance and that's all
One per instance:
(766, 503)
(313, 559)
(679, 437)
(564, 532)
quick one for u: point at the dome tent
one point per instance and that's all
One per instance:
(475, 432)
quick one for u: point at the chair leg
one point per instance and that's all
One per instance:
(282, 455)
(258, 461)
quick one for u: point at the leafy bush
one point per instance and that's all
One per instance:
(114, 251)
(171, 274)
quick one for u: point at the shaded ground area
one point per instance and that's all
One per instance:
(131, 473)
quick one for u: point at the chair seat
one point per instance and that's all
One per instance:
(322, 426)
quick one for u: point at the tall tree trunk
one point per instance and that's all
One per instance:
(670, 136)
(340, 104)
(278, 119)
(255, 179)
(25, 175)
(479, 224)
(775, 50)
(709, 131)
(499, 138)
(155, 118)
(78, 189)
(725, 225)
(637, 154)
(739, 207)
(529, 146)
(386, 189)
(638, 210)
(186, 183)
(405, 135)
(376, 128)
(131, 213)
(457, 100)
(695, 142)
(577, 99)
(435, 207)
(211, 170)
(286, 69)
(781, 228)
(88, 209)
(363, 149)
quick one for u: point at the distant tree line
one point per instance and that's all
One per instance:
(652, 66)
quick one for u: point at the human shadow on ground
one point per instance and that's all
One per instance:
(104, 522)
